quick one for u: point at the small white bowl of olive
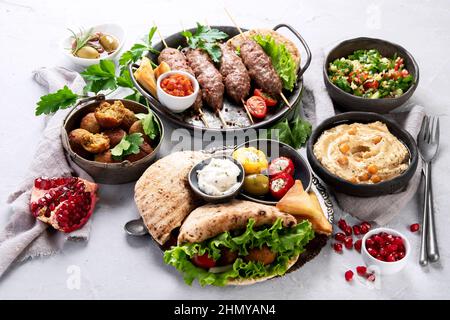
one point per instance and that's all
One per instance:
(87, 46)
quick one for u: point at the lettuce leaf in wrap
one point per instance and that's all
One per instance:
(286, 242)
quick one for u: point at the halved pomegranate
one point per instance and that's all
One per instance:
(66, 203)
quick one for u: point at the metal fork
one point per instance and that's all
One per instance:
(428, 142)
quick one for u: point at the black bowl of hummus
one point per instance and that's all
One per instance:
(363, 154)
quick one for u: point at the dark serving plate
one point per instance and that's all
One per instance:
(351, 102)
(234, 114)
(108, 173)
(274, 149)
(363, 190)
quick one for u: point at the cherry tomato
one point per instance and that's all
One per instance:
(398, 63)
(268, 99)
(204, 261)
(281, 164)
(371, 84)
(257, 107)
(280, 184)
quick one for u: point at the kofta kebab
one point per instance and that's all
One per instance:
(240, 61)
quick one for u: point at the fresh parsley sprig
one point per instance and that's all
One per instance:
(206, 38)
(130, 144)
(61, 99)
(150, 125)
(138, 50)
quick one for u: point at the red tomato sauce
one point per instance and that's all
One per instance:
(177, 85)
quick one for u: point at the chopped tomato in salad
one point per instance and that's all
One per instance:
(177, 85)
(366, 73)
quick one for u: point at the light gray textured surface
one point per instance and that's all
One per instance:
(115, 266)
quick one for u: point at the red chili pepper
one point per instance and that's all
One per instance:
(204, 261)
(281, 164)
(268, 99)
(280, 184)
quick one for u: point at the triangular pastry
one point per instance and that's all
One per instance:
(303, 205)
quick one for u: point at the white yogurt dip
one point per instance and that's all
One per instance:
(219, 177)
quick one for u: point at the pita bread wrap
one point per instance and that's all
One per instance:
(214, 226)
(163, 195)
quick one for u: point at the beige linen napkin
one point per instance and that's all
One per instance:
(25, 237)
(318, 107)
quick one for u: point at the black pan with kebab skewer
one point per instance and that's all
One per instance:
(233, 112)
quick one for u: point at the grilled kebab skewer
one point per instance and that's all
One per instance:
(209, 79)
(235, 76)
(260, 66)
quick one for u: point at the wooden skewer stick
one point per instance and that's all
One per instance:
(285, 100)
(160, 36)
(242, 34)
(248, 112)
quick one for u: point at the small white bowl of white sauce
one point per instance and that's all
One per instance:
(217, 179)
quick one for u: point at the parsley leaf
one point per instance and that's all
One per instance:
(128, 145)
(124, 80)
(206, 38)
(100, 77)
(138, 50)
(61, 99)
(149, 124)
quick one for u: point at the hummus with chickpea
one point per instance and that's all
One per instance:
(362, 153)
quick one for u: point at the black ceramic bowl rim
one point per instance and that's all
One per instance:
(211, 198)
(300, 157)
(362, 99)
(124, 163)
(381, 188)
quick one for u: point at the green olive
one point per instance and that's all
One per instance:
(87, 52)
(109, 43)
(256, 184)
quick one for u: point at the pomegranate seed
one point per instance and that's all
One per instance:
(414, 227)
(342, 224)
(337, 247)
(367, 224)
(382, 252)
(348, 242)
(361, 270)
(390, 258)
(339, 237)
(349, 275)
(348, 231)
(356, 230)
(371, 277)
(363, 229)
(392, 248)
(373, 252)
(357, 245)
(398, 241)
(401, 255)
(38, 183)
(370, 243)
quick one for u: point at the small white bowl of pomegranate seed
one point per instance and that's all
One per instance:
(386, 249)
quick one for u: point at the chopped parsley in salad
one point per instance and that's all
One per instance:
(367, 74)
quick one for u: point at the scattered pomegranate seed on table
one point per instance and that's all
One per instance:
(414, 227)
(339, 237)
(356, 230)
(348, 242)
(358, 245)
(361, 270)
(337, 247)
(371, 277)
(349, 275)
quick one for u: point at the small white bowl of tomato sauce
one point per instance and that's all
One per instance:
(386, 249)
(177, 90)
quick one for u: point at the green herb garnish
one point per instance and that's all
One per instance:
(80, 40)
(61, 99)
(130, 144)
(206, 38)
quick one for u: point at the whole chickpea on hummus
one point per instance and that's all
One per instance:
(362, 153)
